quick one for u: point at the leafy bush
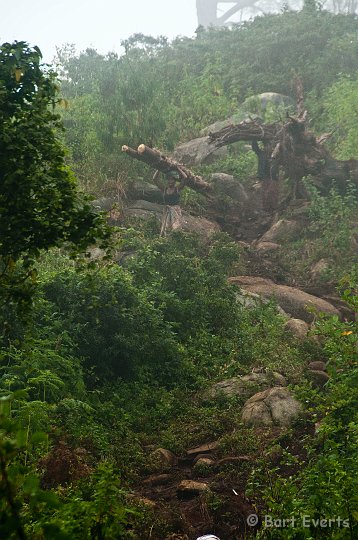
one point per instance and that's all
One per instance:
(325, 483)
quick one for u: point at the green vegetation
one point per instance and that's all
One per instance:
(115, 360)
(163, 93)
(46, 210)
(323, 478)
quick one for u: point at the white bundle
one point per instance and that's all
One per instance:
(208, 537)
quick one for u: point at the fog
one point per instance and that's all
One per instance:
(101, 24)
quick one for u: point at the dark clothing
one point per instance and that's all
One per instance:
(172, 199)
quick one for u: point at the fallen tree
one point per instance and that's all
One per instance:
(290, 147)
(158, 161)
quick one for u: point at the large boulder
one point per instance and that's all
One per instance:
(197, 152)
(141, 190)
(188, 223)
(275, 406)
(228, 185)
(199, 225)
(283, 229)
(144, 210)
(291, 300)
(247, 385)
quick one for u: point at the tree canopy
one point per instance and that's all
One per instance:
(40, 206)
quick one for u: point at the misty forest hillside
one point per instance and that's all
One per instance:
(163, 382)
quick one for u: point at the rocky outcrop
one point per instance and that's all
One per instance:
(275, 406)
(247, 385)
(197, 152)
(199, 225)
(146, 210)
(251, 300)
(292, 301)
(140, 190)
(282, 230)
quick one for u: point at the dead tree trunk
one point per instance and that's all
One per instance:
(160, 162)
(291, 148)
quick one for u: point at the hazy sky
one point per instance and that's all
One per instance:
(101, 24)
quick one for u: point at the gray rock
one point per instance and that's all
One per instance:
(283, 229)
(247, 385)
(141, 190)
(292, 301)
(297, 327)
(318, 378)
(146, 210)
(251, 300)
(267, 247)
(229, 186)
(162, 459)
(199, 225)
(198, 151)
(317, 365)
(206, 448)
(275, 406)
(204, 462)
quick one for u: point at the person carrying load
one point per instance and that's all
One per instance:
(172, 215)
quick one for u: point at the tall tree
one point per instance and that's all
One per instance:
(40, 206)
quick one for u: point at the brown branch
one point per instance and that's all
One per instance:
(155, 159)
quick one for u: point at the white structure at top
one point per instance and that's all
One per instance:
(221, 12)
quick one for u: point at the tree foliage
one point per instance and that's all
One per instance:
(39, 203)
